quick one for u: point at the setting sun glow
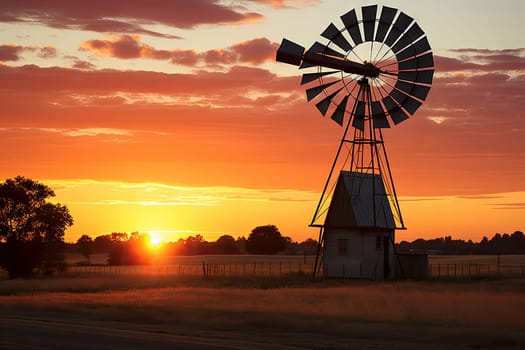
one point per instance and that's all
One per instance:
(154, 241)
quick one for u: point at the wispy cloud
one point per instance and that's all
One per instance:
(121, 16)
(509, 206)
(79, 132)
(11, 52)
(253, 51)
(158, 194)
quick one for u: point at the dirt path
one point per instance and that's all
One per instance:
(52, 333)
(57, 331)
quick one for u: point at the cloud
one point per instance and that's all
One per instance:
(254, 51)
(516, 51)
(237, 78)
(122, 16)
(507, 206)
(160, 194)
(482, 60)
(14, 52)
(74, 132)
(284, 3)
(481, 196)
(11, 52)
(84, 65)
(47, 52)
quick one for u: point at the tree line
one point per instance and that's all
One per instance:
(134, 248)
(499, 244)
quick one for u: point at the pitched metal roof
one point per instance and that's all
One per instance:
(353, 204)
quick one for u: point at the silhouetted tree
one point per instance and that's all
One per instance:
(265, 240)
(102, 244)
(31, 229)
(132, 251)
(194, 245)
(85, 246)
(226, 245)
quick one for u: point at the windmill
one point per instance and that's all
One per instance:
(372, 74)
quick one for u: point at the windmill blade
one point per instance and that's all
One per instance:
(419, 91)
(393, 109)
(420, 76)
(359, 116)
(402, 23)
(417, 48)
(369, 21)
(290, 52)
(385, 22)
(324, 104)
(339, 113)
(379, 116)
(334, 35)
(405, 101)
(315, 50)
(352, 25)
(318, 48)
(423, 61)
(410, 36)
(313, 92)
(313, 76)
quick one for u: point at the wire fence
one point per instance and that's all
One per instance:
(460, 270)
(439, 266)
(203, 269)
(259, 269)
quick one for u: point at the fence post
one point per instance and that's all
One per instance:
(204, 269)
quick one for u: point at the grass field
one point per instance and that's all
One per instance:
(287, 309)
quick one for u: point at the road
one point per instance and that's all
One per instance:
(22, 333)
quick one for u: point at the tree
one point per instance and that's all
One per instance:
(85, 246)
(31, 228)
(132, 251)
(102, 244)
(265, 240)
(226, 245)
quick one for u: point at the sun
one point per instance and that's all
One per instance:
(154, 241)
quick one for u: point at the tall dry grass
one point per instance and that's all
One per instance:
(478, 313)
(495, 304)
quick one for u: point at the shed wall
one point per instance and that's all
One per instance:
(364, 256)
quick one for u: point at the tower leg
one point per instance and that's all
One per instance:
(317, 256)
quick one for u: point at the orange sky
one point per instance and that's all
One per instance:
(172, 117)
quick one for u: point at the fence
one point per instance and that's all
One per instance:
(257, 269)
(457, 270)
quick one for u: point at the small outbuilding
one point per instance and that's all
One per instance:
(359, 229)
(412, 266)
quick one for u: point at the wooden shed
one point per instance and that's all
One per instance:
(359, 229)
